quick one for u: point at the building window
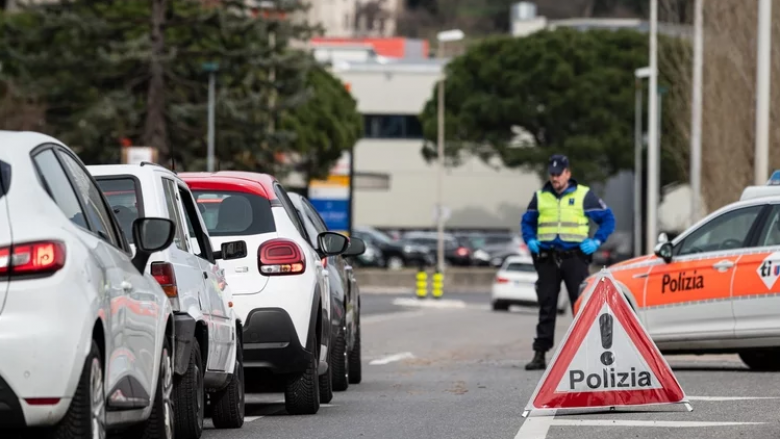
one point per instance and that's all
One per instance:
(392, 126)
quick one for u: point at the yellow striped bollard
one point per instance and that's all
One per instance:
(438, 284)
(422, 283)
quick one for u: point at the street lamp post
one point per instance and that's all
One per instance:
(211, 68)
(653, 145)
(763, 79)
(442, 37)
(696, 109)
(639, 74)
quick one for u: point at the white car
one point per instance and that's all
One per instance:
(208, 333)
(280, 285)
(515, 284)
(87, 338)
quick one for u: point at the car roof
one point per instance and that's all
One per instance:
(520, 258)
(143, 169)
(249, 182)
(19, 143)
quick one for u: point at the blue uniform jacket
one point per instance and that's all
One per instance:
(595, 209)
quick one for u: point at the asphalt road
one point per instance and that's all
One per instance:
(454, 369)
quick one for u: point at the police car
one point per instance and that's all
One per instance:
(714, 288)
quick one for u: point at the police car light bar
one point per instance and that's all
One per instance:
(774, 180)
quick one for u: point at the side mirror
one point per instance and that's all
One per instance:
(231, 250)
(151, 235)
(356, 247)
(332, 243)
(664, 251)
(662, 237)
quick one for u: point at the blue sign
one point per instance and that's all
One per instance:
(335, 213)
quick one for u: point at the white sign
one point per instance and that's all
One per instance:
(138, 154)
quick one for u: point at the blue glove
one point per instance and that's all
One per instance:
(589, 246)
(533, 245)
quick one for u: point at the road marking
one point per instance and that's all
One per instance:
(535, 427)
(626, 423)
(440, 303)
(729, 398)
(376, 318)
(392, 358)
(251, 418)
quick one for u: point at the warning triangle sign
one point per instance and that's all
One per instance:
(606, 360)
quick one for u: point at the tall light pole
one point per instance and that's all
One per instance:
(211, 68)
(442, 37)
(652, 129)
(763, 77)
(639, 74)
(696, 109)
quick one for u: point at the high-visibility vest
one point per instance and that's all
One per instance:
(564, 217)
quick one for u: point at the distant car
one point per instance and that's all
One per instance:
(345, 353)
(87, 337)
(515, 284)
(208, 332)
(455, 253)
(279, 280)
(395, 254)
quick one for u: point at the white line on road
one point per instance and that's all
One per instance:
(440, 303)
(392, 358)
(729, 398)
(251, 418)
(626, 423)
(535, 427)
(376, 318)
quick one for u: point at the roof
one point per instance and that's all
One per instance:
(520, 258)
(128, 169)
(22, 142)
(248, 182)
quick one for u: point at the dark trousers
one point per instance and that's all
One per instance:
(551, 268)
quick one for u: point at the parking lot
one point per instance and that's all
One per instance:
(455, 369)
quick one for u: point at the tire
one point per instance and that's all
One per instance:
(228, 405)
(339, 363)
(355, 360)
(190, 398)
(326, 385)
(79, 421)
(302, 391)
(500, 305)
(761, 360)
(160, 424)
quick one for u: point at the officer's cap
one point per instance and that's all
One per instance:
(558, 163)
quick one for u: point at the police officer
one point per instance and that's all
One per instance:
(555, 228)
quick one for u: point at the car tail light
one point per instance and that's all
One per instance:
(42, 401)
(165, 276)
(502, 280)
(278, 257)
(43, 257)
(462, 251)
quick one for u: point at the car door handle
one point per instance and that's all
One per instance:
(126, 286)
(205, 275)
(723, 265)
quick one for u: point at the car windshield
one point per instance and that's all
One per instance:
(521, 267)
(122, 195)
(229, 213)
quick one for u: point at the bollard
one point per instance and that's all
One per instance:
(438, 285)
(422, 283)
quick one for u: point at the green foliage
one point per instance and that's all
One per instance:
(571, 92)
(326, 125)
(105, 74)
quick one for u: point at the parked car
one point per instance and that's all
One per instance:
(345, 355)
(396, 254)
(280, 286)
(208, 334)
(515, 284)
(454, 252)
(88, 337)
(372, 257)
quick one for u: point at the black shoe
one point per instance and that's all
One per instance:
(538, 363)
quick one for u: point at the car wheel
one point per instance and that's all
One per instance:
(302, 392)
(500, 305)
(761, 360)
(160, 424)
(228, 404)
(326, 385)
(86, 416)
(355, 360)
(339, 363)
(395, 263)
(190, 397)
